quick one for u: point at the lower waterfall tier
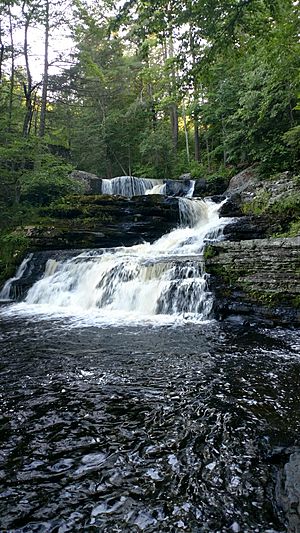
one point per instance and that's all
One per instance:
(163, 278)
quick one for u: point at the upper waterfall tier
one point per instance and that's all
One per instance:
(128, 186)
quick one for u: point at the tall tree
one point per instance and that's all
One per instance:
(46, 72)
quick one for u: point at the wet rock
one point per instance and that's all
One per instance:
(104, 221)
(178, 187)
(250, 227)
(35, 270)
(215, 185)
(200, 187)
(233, 207)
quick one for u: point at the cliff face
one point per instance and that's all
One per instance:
(258, 279)
(255, 271)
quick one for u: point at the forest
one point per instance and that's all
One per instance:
(150, 88)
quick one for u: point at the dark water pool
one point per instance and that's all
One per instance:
(129, 429)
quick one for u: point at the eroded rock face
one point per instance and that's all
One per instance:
(258, 279)
(249, 188)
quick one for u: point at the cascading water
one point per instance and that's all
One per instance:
(5, 293)
(129, 186)
(165, 278)
(157, 189)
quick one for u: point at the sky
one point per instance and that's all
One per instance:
(60, 41)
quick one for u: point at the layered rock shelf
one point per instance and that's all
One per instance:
(258, 279)
(103, 221)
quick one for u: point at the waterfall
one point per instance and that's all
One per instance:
(157, 189)
(163, 278)
(192, 188)
(6, 290)
(128, 186)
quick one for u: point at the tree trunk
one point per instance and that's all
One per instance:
(186, 135)
(46, 74)
(172, 89)
(1, 51)
(28, 87)
(224, 149)
(174, 125)
(207, 153)
(196, 139)
(12, 75)
(195, 98)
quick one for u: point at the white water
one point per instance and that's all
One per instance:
(129, 186)
(140, 282)
(157, 189)
(6, 290)
(192, 188)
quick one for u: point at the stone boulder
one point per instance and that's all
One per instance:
(233, 206)
(91, 184)
(245, 181)
(200, 187)
(178, 187)
(215, 185)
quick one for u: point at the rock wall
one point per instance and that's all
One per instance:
(258, 279)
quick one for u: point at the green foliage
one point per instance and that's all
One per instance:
(197, 170)
(157, 151)
(292, 139)
(49, 181)
(259, 205)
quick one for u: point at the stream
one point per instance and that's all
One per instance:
(161, 428)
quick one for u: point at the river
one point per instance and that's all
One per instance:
(157, 429)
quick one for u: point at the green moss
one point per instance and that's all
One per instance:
(292, 231)
(209, 252)
(296, 302)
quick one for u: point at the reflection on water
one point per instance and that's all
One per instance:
(154, 429)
